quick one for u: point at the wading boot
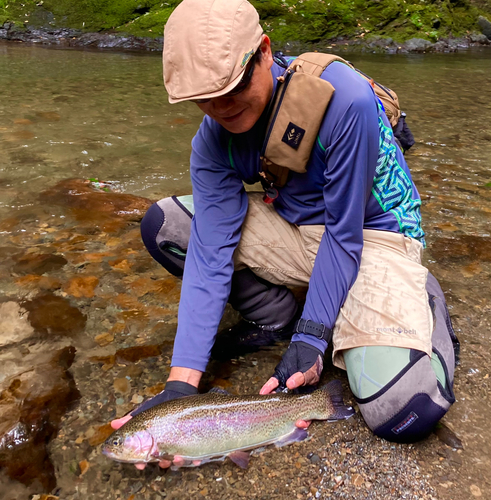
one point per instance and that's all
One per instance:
(269, 315)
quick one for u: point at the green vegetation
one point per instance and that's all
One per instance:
(130, 16)
(283, 20)
(399, 19)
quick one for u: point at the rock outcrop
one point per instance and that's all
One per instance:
(32, 403)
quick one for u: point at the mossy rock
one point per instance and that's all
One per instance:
(485, 26)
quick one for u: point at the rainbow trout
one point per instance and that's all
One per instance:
(213, 426)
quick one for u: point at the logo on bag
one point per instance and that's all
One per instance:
(399, 330)
(293, 135)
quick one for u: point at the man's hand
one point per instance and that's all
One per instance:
(174, 388)
(301, 365)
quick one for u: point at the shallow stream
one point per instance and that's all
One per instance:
(73, 273)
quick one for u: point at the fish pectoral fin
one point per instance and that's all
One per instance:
(241, 458)
(296, 435)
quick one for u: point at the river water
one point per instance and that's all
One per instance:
(80, 114)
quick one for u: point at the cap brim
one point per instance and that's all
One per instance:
(211, 95)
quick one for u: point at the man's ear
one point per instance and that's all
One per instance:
(265, 48)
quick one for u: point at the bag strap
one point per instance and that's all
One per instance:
(314, 63)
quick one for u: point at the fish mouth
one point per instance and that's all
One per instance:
(112, 455)
(122, 458)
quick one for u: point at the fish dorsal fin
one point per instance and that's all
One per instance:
(218, 390)
(241, 458)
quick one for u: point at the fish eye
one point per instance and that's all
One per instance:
(117, 441)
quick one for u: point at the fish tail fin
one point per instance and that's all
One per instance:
(337, 410)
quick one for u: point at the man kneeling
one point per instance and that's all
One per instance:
(349, 228)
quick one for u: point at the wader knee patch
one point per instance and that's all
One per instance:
(413, 422)
(409, 406)
(165, 231)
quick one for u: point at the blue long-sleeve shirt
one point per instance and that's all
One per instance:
(356, 179)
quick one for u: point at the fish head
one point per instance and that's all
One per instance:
(132, 447)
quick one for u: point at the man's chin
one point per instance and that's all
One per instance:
(243, 122)
(238, 127)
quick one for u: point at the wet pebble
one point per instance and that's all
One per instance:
(132, 371)
(104, 338)
(122, 385)
(314, 458)
(48, 116)
(137, 353)
(475, 490)
(81, 286)
(49, 284)
(100, 434)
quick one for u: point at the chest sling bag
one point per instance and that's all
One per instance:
(298, 108)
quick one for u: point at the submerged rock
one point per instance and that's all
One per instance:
(136, 353)
(109, 210)
(466, 247)
(38, 263)
(32, 403)
(49, 313)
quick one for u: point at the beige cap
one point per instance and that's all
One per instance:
(207, 45)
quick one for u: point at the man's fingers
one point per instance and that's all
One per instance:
(165, 464)
(312, 375)
(140, 466)
(269, 386)
(303, 424)
(119, 422)
(296, 380)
